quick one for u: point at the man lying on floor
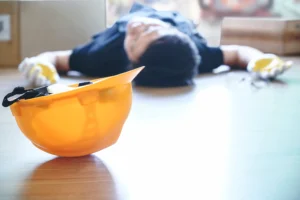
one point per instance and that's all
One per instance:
(166, 43)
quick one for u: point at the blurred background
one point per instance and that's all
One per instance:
(30, 27)
(211, 10)
(208, 14)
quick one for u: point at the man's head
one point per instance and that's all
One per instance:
(169, 56)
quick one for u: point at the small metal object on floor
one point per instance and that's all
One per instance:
(256, 83)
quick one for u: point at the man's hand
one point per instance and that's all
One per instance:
(38, 72)
(261, 65)
(141, 32)
(268, 66)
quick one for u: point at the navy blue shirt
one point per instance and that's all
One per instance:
(105, 55)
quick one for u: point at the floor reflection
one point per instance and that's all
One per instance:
(164, 92)
(71, 178)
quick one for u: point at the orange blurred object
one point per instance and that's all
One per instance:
(80, 121)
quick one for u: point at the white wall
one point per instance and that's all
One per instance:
(59, 25)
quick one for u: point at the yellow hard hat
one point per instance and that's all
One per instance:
(77, 122)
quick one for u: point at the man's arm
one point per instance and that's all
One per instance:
(239, 56)
(60, 59)
(31, 70)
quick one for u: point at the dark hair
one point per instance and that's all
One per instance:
(170, 61)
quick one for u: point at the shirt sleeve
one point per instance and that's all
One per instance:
(102, 56)
(211, 58)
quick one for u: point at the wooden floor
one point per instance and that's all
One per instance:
(224, 139)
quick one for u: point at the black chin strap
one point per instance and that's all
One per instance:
(31, 93)
(27, 94)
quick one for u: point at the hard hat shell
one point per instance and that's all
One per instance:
(78, 122)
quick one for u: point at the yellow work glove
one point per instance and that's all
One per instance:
(268, 66)
(38, 72)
